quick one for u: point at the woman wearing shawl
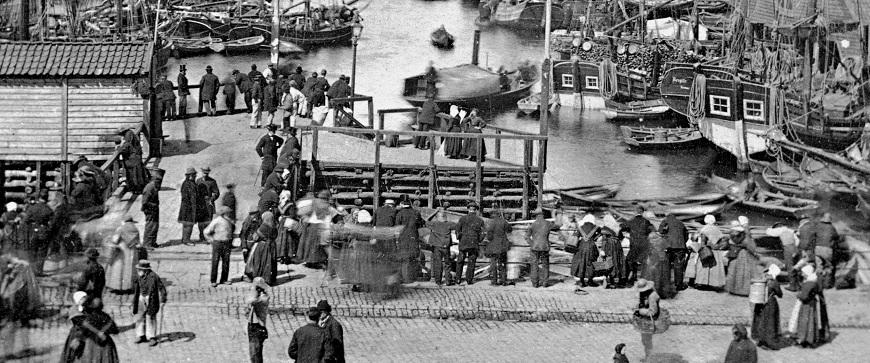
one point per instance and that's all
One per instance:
(809, 320)
(657, 268)
(453, 145)
(288, 229)
(765, 317)
(355, 267)
(123, 255)
(741, 269)
(612, 247)
(649, 317)
(312, 246)
(473, 125)
(261, 255)
(708, 271)
(587, 252)
(89, 339)
(741, 349)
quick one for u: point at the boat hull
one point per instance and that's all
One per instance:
(637, 140)
(340, 36)
(244, 45)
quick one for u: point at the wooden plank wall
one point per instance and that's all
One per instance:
(96, 110)
(31, 120)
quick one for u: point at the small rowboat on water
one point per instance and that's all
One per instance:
(532, 103)
(635, 109)
(585, 194)
(660, 138)
(182, 47)
(244, 45)
(442, 39)
(775, 204)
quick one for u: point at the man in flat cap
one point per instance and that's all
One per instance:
(243, 82)
(470, 230)
(212, 190)
(334, 330)
(267, 148)
(151, 209)
(339, 89)
(192, 209)
(220, 233)
(310, 342)
(208, 90)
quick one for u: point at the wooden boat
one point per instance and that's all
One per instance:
(244, 46)
(585, 194)
(532, 103)
(442, 39)
(304, 38)
(217, 46)
(241, 31)
(525, 14)
(469, 86)
(784, 180)
(779, 205)
(182, 47)
(634, 110)
(660, 138)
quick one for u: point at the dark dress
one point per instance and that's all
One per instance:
(355, 266)
(741, 349)
(91, 347)
(453, 145)
(261, 259)
(742, 270)
(812, 320)
(613, 251)
(765, 319)
(639, 229)
(288, 240)
(657, 268)
(469, 148)
(587, 252)
(134, 170)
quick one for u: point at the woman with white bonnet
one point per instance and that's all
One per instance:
(743, 259)
(809, 320)
(587, 252)
(706, 266)
(765, 316)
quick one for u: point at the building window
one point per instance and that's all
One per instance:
(591, 82)
(720, 105)
(568, 80)
(753, 110)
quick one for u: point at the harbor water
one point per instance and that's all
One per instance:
(583, 149)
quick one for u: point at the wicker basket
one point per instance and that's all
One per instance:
(648, 325)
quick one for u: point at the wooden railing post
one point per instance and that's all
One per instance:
(526, 158)
(478, 169)
(541, 161)
(312, 179)
(380, 121)
(498, 145)
(371, 113)
(376, 197)
(432, 172)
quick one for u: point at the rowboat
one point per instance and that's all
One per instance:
(660, 138)
(244, 46)
(341, 35)
(789, 182)
(585, 194)
(469, 86)
(442, 39)
(635, 109)
(182, 47)
(779, 205)
(532, 103)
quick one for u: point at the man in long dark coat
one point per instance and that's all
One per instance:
(334, 330)
(93, 278)
(676, 235)
(340, 89)
(270, 100)
(320, 88)
(639, 229)
(165, 98)
(310, 343)
(267, 148)
(243, 82)
(183, 90)
(148, 294)
(298, 77)
(192, 209)
(275, 181)
(409, 246)
(208, 90)
(37, 219)
(470, 232)
(496, 248)
(131, 154)
(230, 94)
(151, 209)
(426, 121)
(213, 192)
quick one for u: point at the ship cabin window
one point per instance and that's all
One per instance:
(568, 80)
(591, 82)
(753, 110)
(720, 105)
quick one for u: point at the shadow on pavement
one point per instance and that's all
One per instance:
(26, 354)
(180, 147)
(665, 358)
(171, 337)
(287, 278)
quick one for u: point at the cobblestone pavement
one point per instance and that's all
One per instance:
(203, 334)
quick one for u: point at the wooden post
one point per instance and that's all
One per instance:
(432, 172)
(119, 20)
(2, 182)
(545, 96)
(380, 122)
(372, 114)
(377, 170)
(526, 158)
(542, 156)
(64, 120)
(24, 21)
(478, 169)
(475, 55)
(498, 145)
(313, 166)
(38, 177)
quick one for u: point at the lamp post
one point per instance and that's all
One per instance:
(357, 31)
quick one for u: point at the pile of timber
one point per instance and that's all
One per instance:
(449, 187)
(18, 176)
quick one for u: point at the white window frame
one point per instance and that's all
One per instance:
(759, 109)
(592, 78)
(568, 80)
(727, 105)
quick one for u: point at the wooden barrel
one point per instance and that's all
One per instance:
(758, 291)
(517, 257)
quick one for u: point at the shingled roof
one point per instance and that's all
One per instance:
(28, 59)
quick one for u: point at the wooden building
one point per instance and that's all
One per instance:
(59, 101)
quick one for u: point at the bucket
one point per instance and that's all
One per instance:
(517, 257)
(758, 291)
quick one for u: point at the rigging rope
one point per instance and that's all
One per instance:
(607, 79)
(697, 99)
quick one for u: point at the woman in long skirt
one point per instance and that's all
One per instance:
(123, 255)
(657, 268)
(613, 251)
(90, 338)
(809, 321)
(765, 317)
(261, 256)
(741, 270)
(587, 252)
(707, 272)
(453, 145)
(355, 267)
(288, 234)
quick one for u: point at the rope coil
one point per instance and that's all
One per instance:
(607, 79)
(697, 99)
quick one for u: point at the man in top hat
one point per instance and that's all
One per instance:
(193, 208)
(93, 278)
(470, 230)
(267, 148)
(340, 89)
(151, 209)
(208, 90)
(243, 82)
(148, 294)
(220, 233)
(165, 98)
(538, 237)
(183, 90)
(334, 330)
(230, 94)
(213, 192)
(37, 220)
(310, 343)
(409, 246)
